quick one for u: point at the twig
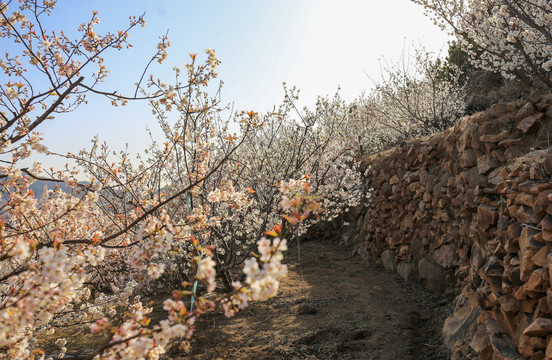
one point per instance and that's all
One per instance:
(531, 227)
(433, 346)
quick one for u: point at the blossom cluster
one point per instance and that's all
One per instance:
(262, 281)
(412, 99)
(510, 37)
(189, 211)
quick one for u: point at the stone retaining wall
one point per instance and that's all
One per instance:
(469, 211)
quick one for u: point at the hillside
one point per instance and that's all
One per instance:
(469, 211)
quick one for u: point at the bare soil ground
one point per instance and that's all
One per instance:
(342, 307)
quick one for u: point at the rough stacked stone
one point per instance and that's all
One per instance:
(469, 211)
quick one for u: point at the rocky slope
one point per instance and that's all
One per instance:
(469, 211)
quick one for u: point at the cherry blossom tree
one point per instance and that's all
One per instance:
(317, 142)
(414, 97)
(507, 36)
(85, 256)
(234, 206)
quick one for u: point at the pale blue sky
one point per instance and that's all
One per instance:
(316, 45)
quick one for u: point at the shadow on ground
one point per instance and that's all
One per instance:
(340, 308)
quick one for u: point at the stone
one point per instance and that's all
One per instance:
(507, 320)
(480, 341)
(546, 223)
(542, 105)
(468, 158)
(407, 271)
(495, 138)
(410, 176)
(527, 241)
(470, 177)
(528, 122)
(434, 275)
(498, 156)
(416, 249)
(414, 186)
(525, 199)
(496, 176)
(515, 276)
(445, 256)
(509, 142)
(461, 322)
(511, 246)
(528, 345)
(513, 153)
(508, 302)
(547, 163)
(542, 202)
(427, 197)
(477, 258)
(497, 110)
(542, 308)
(528, 305)
(519, 294)
(527, 110)
(541, 327)
(489, 127)
(541, 257)
(539, 355)
(548, 351)
(486, 216)
(493, 272)
(388, 260)
(550, 277)
(474, 136)
(306, 309)
(522, 321)
(528, 247)
(486, 163)
(514, 231)
(536, 282)
(532, 187)
(387, 189)
(503, 349)
(524, 214)
(394, 240)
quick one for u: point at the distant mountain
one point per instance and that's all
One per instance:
(38, 187)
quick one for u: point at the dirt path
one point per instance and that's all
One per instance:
(343, 308)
